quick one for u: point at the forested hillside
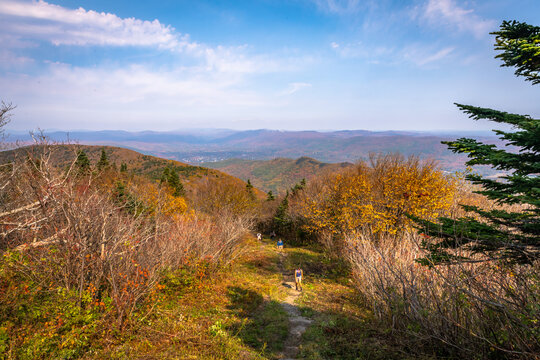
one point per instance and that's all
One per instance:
(135, 163)
(275, 175)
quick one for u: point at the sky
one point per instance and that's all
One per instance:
(276, 64)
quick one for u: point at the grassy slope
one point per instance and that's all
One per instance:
(234, 313)
(276, 175)
(342, 327)
(231, 315)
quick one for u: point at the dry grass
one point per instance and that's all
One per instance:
(477, 310)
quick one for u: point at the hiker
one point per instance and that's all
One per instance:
(259, 236)
(272, 235)
(280, 245)
(298, 274)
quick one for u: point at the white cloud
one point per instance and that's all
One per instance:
(134, 84)
(26, 22)
(198, 81)
(341, 7)
(447, 12)
(417, 54)
(421, 56)
(369, 53)
(9, 59)
(294, 87)
(62, 26)
(128, 97)
(238, 60)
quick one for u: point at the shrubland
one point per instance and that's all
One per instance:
(480, 308)
(87, 250)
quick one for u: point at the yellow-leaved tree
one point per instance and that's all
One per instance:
(375, 198)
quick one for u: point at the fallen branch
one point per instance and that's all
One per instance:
(23, 208)
(48, 241)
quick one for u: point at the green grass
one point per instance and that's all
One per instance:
(265, 330)
(317, 264)
(233, 314)
(341, 328)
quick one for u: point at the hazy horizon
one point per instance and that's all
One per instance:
(203, 130)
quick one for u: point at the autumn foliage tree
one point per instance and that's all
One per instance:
(375, 198)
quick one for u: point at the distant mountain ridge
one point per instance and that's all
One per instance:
(205, 146)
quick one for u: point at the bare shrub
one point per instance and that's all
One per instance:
(75, 234)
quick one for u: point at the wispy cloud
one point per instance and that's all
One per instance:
(9, 59)
(422, 56)
(294, 87)
(25, 22)
(62, 26)
(359, 50)
(341, 7)
(417, 54)
(197, 80)
(116, 94)
(448, 13)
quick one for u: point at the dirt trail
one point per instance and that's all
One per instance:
(297, 323)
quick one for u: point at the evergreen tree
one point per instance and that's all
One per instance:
(270, 196)
(164, 176)
(171, 178)
(519, 45)
(175, 184)
(249, 189)
(500, 234)
(82, 163)
(126, 200)
(103, 160)
(123, 167)
(297, 187)
(282, 220)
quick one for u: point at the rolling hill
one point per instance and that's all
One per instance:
(137, 163)
(204, 146)
(275, 175)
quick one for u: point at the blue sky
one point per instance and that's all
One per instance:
(296, 64)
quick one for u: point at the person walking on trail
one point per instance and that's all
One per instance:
(280, 245)
(259, 236)
(298, 275)
(272, 235)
